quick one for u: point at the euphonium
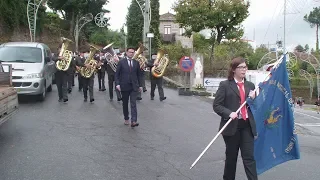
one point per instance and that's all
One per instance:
(111, 57)
(163, 61)
(140, 58)
(64, 64)
(88, 72)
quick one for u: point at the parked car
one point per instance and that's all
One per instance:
(32, 67)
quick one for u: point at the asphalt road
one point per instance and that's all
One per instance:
(82, 141)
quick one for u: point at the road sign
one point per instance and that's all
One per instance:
(186, 63)
(212, 84)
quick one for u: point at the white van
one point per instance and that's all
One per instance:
(32, 67)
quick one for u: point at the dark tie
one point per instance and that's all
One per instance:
(130, 65)
(242, 97)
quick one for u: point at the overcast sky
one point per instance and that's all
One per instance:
(262, 13)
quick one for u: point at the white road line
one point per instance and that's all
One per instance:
(309, 124)
(307, 115)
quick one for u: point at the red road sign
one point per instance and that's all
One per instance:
(186, 63)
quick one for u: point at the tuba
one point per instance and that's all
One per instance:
(111, 57)
(140, 58)
(158, 71)
(64, 64)
(88, 72)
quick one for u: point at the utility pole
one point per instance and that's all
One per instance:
(284, 26)
(146, 27)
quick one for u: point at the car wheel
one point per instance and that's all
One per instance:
(42, 96)
(49, 89)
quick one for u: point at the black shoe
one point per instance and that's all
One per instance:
(144, 90)
(69, 91)
(103, 89)
(60, 100)
(85, 100)
(152, 98)
(65, 100)
(134, 125)
(119, 99)
(91, 100)
(163, 98)
(139, 98)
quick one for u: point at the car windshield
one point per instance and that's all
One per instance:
(21, 54)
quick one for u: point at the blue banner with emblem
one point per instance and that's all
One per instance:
(272, 109)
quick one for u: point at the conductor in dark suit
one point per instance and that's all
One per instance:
(127, 78)
(241, 132)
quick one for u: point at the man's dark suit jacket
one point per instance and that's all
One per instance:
(126, 79)
(228, 100)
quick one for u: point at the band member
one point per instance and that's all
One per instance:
(82, 59)
(241, 131)
(128, 82)
(61, 79)
(111, 80)
(101, 72)
(87, 83)
(142, 80)
(71, 71)
(156, 82)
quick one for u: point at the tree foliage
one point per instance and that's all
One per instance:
(313, 18)
(154, 24)
(72, 10)
(103, 37)
(223, 17)
(134, 24)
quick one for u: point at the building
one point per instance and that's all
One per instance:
(171, 32)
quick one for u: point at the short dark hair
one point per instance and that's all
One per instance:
(233, 65)
(130, 48)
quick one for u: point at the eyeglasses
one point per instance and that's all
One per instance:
(242, 67)
(130, 51)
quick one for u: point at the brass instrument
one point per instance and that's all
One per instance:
(64, 64)
(140, 58)
(88, 72)
(163, 61)
(111, 57)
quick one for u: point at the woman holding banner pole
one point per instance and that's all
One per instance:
(240, 133)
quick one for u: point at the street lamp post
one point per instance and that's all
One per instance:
(146, 12)
(150, 35)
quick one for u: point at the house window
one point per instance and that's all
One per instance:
(167, 29)
(182, 30)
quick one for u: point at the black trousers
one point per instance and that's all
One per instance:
(101, 76)
(88, 84)
(132, 95)
(111, 83)
(244, 140)
(154, 83)
(70, 81)
(80, 82)
(62, 84)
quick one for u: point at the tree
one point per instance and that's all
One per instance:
(222, 17)
(299, 48)
(154, 24)
(134, 24)
(72, 10)
(314, 20)
(102, 37)
(306, 48)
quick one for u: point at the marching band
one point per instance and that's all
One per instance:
(128, 83)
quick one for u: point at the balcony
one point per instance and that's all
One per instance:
(169, 38)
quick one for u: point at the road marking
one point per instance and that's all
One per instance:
(307, 115)
(309, 124)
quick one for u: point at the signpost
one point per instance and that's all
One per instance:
(212, 84)
(186, 64)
